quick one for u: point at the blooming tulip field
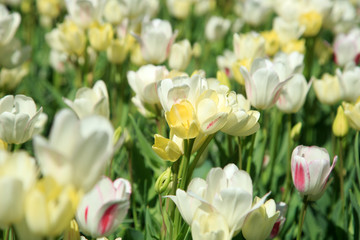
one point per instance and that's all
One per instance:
(179, 119)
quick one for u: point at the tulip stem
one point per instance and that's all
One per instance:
(240, 153)
(357, 155)
(302, 217)
(341, 172)
(248, 165)
(288, 160)
(197, 157)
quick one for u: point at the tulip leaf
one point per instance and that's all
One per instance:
(356, 215)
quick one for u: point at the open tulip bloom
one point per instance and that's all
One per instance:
(310, 168)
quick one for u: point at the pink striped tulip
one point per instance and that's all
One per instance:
(310, 168)
(103, 208)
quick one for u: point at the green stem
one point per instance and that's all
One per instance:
(273, 144)
(357, 155)
(288, 160)
(302, 217)
(250, 157)
(309, 56)
(198, 155)
(341, 172)
(240, 153)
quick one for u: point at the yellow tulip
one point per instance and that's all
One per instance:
(272, 42)
(312, 21)
(294, 46)
(182, 120)
(352, 112)
(100, 36)
(49, 207)
(166, 148)
(340, 125)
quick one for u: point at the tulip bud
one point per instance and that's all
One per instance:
(100, 36)
(103, 208)
(182, 120)
(180, 55)
(295, 131)
(340, 125)
(196, 50)
(282, 207)
(163, 181)
(310, 168)
(166, 148)
(259, 223)
(272, 43)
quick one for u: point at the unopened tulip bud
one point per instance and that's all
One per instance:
(310, 168)
(163, 181)
(196, 50)
(295, 131)
(100, 36)
(340, 125)
(259, 223)
(180, 55)
(166, 148)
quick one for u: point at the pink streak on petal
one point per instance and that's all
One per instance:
(212, 123)
(86, 213)
(299, 177)
(107, 219)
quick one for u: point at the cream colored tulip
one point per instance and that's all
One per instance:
(349, 82)
(117, 51)
(166, 148)
(77, 151)
(91, 101)
(180, 55)
(180, 9)
(49, 207)
(113, 12)
(17, 175)
(216, 28)
(352, 112)
(249, 46)
(85, 12)
(18, 117)
(10, 78)
(327, 89)
(100, 36)
(9, 22)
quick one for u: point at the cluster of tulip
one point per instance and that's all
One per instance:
(203, 105)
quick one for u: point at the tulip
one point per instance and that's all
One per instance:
(13, 54)
(347, 47)
(49, 207)
(259, 223)
(310, 168)
(8, 24)
(287, 30)
(180, 9)
(212, 111)
(249, 46)
(241, 121)
(77, 150)
(84, 13)
(171, 91)
(166, 148)
(292, 96)
(340, 125)
(18, 118)
(180, 55)
(100, 36)
(272, 43)
(182, 120)
(156, 40)
(352, 113)
(89, 101)
(103, 208)
(113, 12)
(312, 21)
(210, 226)
(225, 62)
(327, 89)
(216, 28)
(17, 175)
(72, 231)
(10, 78)
(349, 82)
(227, 192)
(256, 12)
(263, 84)
(117, 51)
(342, 18)
(282, 208)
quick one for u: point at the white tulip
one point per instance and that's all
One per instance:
(18, 117)
(77, 150)
(180, 55)
(91, 101)
(8, 24)
(85, 12)
(216, 28)
(349, 82)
